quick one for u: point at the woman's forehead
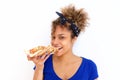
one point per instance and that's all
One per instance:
(61, 30)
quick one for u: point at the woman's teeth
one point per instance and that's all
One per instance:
(60, 48)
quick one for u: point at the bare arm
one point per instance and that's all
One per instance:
(38, 74)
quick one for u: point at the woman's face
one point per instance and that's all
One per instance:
(62, 40)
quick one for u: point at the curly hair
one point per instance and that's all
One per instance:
(78, 16)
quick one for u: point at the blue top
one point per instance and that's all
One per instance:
(86, 71)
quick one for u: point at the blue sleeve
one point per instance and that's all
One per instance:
(34, 67)
(93, 71)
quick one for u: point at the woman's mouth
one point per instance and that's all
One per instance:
(60, 48)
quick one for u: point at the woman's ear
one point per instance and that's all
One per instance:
(74, 39)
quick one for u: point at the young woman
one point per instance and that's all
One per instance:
(64, 64)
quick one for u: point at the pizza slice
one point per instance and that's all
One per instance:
(40, 50)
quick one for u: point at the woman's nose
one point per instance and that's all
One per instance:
(55, 42)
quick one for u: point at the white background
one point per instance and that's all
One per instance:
(26, 23)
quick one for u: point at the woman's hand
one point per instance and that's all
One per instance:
(39, 60)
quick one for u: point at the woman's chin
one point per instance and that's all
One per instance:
(58, 54)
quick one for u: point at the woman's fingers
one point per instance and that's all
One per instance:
(29, 58)
(39, 60)
(43, 56)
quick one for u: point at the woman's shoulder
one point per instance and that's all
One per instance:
(89, 62)
(91, 67)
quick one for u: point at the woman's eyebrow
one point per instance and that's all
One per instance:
(61, 34)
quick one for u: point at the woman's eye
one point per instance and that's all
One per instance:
(61, 37)
(53, 37)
